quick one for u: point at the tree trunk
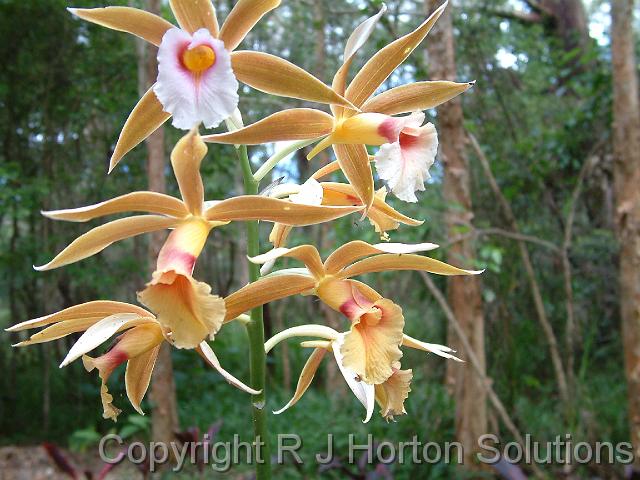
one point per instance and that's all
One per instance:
(569, 22)
(463, 292)
(626, 172)
(164, 420)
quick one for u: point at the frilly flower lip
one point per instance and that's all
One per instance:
(195, 80)
(404, 163)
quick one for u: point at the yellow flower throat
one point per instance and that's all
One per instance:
(199, 59)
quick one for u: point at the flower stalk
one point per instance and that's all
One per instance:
(255, 331)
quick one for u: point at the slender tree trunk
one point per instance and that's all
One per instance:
(164, 420)
(626, 171)
(463, 292)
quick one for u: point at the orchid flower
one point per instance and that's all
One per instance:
(390, 394)
(198, 69)
(190, 217)
(371, 347)
(138, 343)
(407, 148)
(184, 306)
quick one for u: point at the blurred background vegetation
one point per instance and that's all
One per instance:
(541, 112)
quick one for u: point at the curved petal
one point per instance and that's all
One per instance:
(100, 332)
(354, 162)
(194, 15)
(352, 251)
(274, 75)
(311, 330)
(241, 19)
(145, 118)
(356, 40)
(307, 254)
(141, 23)
(150, 202)
(306, 377)
(205, 351)
(94, 310)
(265, 290)
(415, 96)
(99, 238)
(292, 124)
(186, 158)
(380, 66)
(440, 350)
(364, 392)
(184, 307)
(256, 207)
(138, 376)
(382, 263)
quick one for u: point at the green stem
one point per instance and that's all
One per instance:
(255, 330)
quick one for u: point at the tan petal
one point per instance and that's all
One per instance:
(99, 238)
(207, 354)
(382, 263)
(184, 307)
(328, 169)
(143, 24)
(145, 118)
(306, 377)
(307, 254)
(415, 96)
(150, 202)
(385, 61)
(352, 251)
(94, 311)
(391, 394)
(193, 15)
(256, 207)
(265, 290)
(372, 346)
(243, 16)
(138, 376)
(354, 162)
(274, 75)
(293, 124)
(186, 158)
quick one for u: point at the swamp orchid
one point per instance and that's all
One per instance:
(182, 304)
(371, 347)
(199, 69)
(407, 147)
(139, 338)
(389, 394)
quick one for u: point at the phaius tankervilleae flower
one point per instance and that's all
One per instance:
(198, 68)
(389, 394)
(184, 306)
(139, 340)
(407, 148)
(371, 347)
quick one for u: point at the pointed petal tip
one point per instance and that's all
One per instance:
(72, 10)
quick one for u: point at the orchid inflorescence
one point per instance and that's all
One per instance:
(199, 68)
